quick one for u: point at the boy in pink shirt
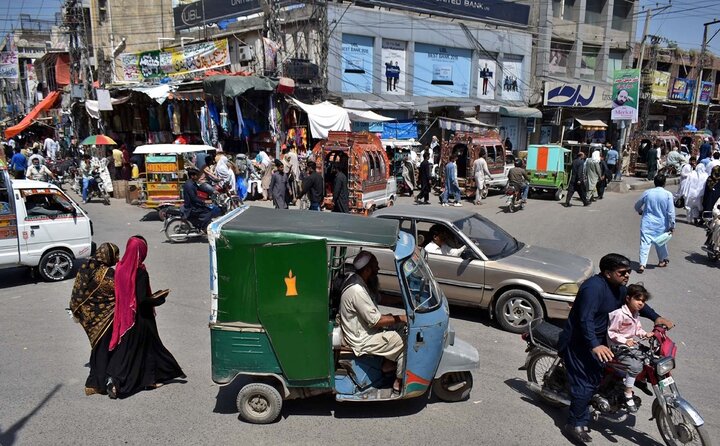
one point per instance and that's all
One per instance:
(625, 330)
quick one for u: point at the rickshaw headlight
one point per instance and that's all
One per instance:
(663, 366)
(567, 289)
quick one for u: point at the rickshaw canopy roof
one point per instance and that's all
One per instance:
(171, 148)
(546, 157)
(334, 227)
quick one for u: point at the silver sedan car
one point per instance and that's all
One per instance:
(515, 281)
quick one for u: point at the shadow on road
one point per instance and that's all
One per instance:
(700, 258)
(8, 437)
(23, 275)
(618, 433)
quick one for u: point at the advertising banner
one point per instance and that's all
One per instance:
(442, 71)
(625, 93)
(357, 64)
(9, 65)
(487, 72)
(682, 89)
(705, 93)
(175, 61)
(513, 88)
(661, 82)
(393, 62)
(495, 10)
(560, 94)
(196, 13)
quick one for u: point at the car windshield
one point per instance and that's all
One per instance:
(424, 295)
(492, 240)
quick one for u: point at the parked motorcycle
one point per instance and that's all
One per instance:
(712, 250)
(513, 199)
(677, 420)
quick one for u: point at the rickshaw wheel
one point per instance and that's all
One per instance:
(453, 386)
(259, 403)
(559, 194)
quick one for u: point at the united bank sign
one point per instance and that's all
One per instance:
(208, 11)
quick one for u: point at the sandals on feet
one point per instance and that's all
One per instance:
(664, 263)
(641, 269)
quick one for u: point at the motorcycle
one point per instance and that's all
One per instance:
(96, 188)
(513, 200)
(712, 250)
(179, 229)
(677, 420)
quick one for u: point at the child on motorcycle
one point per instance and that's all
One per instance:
(624, 332)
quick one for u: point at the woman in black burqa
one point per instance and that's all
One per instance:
(139, 359)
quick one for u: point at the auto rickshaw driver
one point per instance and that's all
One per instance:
(363, 326)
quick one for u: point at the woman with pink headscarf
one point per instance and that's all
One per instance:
(139, 358)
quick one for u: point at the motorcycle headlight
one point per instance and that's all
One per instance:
(567, 289)
(663, 366)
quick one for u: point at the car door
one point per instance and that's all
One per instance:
(462, 278)
(9, 250)
(386, 261)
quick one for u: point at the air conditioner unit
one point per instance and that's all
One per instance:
(246, 53)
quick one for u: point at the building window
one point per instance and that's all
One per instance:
(588, 62)
(102, 10)
(564, 9)
(621, 19)
(594, 12)
(615, 62)
(559, 52)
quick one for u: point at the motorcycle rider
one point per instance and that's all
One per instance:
(519, 179)
(583, 342)
(87, 177)
(37, 171)
(194, 208)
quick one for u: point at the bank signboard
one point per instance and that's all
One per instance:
(197, 13)
(490, 10)
(625, 95)
(442, 71)
(357, 63)
(561, 94)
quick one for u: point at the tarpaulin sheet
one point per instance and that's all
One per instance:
(399, 130)
(325, 117)
(62, 70)
(45, 104)
(231, 86)
(92, 107)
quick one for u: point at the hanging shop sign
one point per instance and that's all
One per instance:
(660, 84)
(357, 64)
(706, 92)
(625, 93)
(197, 13)
(494, 10)
(560, 94)
(393, 62)
(9, 65)
(682, 89)
(442, 71)
(174, 62)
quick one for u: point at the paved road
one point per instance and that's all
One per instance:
(43, 353)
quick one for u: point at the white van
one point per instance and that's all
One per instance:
(41, 227)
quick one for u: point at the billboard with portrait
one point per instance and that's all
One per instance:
(487, 75)
(357, 64)
(393, 66)
(442, 71)
(625, 93)
(513, 88)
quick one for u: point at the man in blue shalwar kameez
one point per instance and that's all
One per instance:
(658, 217)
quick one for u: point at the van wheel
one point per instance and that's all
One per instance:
(55, 265)
(259, 403)
(559, 194)
(453, 386)
(515, 309)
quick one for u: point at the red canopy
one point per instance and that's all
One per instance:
(45, 104)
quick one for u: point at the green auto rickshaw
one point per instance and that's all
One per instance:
(274, 302)
(549, 169)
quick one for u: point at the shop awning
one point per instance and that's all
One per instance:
(366, 116)
(462, 125)
(231, 86)
(92, 107)
(520, 112)
(594, 124)
(45, 104)
(158, 93)
(324, 117)
(358, 104)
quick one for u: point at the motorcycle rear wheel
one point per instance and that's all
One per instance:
(176, 231)
(676, 430)
(536, 373)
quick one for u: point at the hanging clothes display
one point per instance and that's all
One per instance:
(204, 133)
(176, 120)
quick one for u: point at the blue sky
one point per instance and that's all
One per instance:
(682, 22)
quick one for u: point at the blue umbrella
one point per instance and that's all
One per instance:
(691, 128)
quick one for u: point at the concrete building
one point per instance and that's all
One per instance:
(580, 44)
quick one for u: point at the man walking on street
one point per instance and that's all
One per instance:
(480, 172)
(424, 175)
(451, 183)
(341, 195)
(652, 161)
(577, 181)
(705, 150)
(612, 163)
(312, 185)
(18, 163)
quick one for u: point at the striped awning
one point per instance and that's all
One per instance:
(594, 124)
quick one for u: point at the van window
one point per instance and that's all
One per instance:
(46, 204)
(5, 205)
(500, 153)
(373, 166)
(491, 155)
(381, 165)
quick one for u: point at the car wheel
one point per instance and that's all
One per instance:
(55, 265)
(259, 403)
(514, 310)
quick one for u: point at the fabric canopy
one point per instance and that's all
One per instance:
(92, 106)
(231, 86)
(366, 116)
(171, 148)
(325, 117)
(594, 124)
(159, 93)
(461, 125)
(45, 104)
(520, 112)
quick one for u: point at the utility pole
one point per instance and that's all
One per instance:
(699, 80)
(647, 84)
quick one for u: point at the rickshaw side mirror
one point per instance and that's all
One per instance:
(424, 254)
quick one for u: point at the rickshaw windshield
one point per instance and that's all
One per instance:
(423, 291)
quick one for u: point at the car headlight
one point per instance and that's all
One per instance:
(663, 366)
(567, 289)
